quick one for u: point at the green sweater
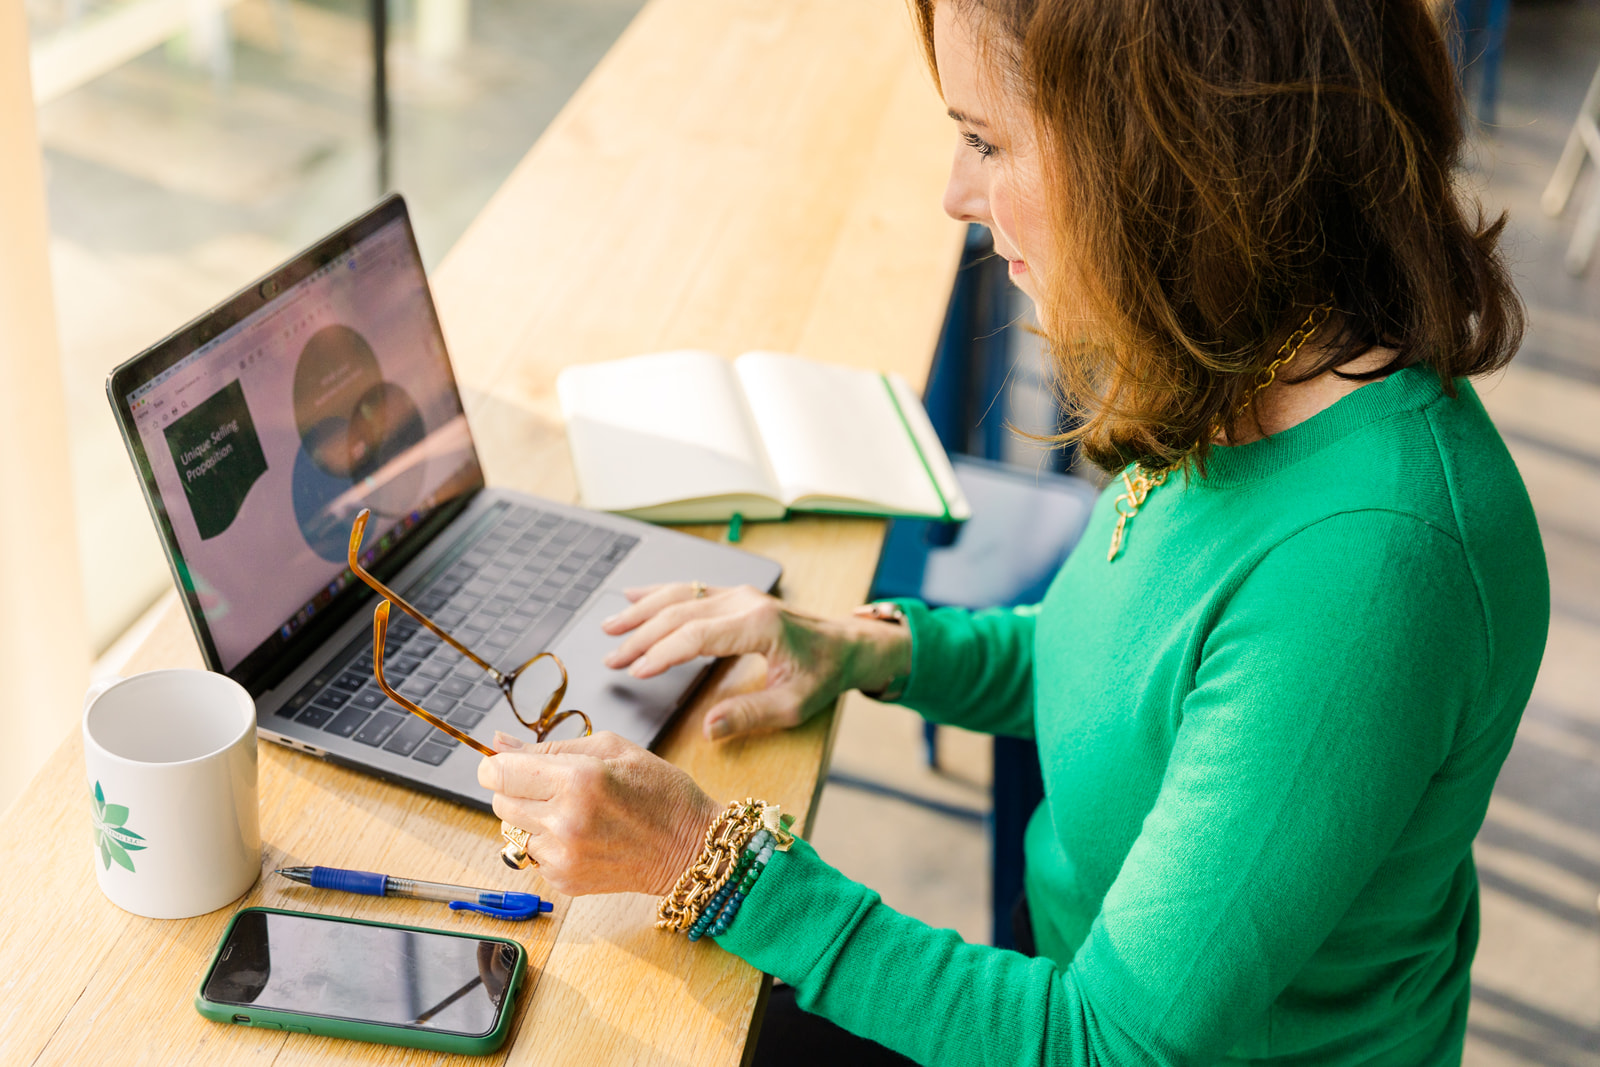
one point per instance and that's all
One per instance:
(1268, 732)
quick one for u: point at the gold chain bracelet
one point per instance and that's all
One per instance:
(724, 840)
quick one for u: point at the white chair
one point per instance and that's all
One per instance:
(1583, 142)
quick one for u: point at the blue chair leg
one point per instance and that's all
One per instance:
(1477, 46)
(1018, 789)
(1494, 47)
(930, 743)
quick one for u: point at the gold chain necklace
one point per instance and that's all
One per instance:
(1140, 484)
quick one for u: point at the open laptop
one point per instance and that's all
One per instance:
(262, 428)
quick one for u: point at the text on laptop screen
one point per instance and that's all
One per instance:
(266, 441)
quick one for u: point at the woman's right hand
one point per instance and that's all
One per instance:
(810, 661)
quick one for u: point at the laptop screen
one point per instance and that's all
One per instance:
(263, 443)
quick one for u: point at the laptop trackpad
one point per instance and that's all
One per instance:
(616, 700)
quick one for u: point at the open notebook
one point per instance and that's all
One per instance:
(689, 437)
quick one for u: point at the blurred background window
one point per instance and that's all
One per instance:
(191, 145)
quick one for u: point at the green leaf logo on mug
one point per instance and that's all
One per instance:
(111, 835)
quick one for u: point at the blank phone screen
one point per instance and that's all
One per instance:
(377, 974)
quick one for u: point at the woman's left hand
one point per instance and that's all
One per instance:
(603, 815)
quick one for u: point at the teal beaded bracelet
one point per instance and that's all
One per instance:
(722, 907)
(714, 906)
(698, 927)
(730, 907)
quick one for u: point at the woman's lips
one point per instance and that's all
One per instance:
(1018, 267)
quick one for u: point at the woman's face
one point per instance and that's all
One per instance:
(996, 177)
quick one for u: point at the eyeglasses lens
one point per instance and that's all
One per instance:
(532, 692)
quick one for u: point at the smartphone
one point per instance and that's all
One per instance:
(397, 985)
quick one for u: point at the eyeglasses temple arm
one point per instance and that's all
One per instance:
(380, 630)
(356, 533)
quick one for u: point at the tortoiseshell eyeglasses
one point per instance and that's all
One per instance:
(543, 688)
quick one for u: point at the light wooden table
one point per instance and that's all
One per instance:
(736, 174)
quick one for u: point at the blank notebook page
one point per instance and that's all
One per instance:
(659, 428)
(834, 432)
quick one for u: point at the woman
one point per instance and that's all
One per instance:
(1274, 686)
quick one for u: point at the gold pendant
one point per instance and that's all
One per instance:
(1129, 503)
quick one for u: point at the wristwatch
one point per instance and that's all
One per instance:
(885, 611)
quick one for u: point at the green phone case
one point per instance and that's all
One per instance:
(380, 1033)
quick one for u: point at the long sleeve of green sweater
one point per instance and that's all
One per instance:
(1301, 754)
(972, 669)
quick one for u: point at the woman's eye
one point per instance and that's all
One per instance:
(978, 144)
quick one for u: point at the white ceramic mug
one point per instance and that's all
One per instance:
(171, 760)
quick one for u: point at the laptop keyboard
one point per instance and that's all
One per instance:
(526, 574)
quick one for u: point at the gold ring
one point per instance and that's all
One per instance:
(699, 589)
(515, 854)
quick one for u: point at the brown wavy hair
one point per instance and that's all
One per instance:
(1226, 166)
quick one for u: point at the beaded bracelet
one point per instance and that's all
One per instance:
(725, 858)
(730, 907)
(720, 909)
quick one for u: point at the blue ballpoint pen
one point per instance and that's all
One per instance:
(513, 906)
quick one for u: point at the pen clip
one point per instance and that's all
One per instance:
(514, 907)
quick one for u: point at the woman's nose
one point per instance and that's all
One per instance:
(966, 197)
